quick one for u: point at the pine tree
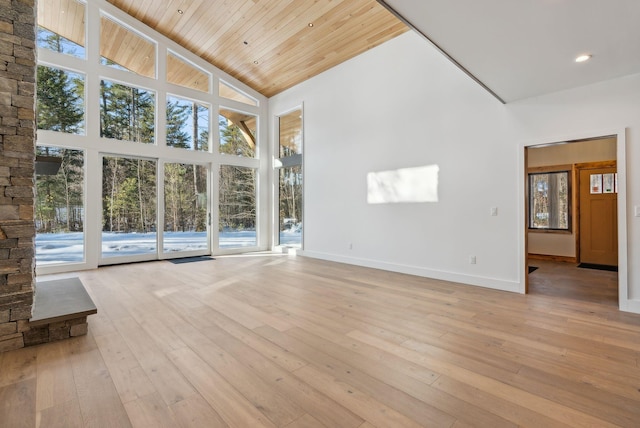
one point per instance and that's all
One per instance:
(60, 95)
(176, 117)
(126, 113)
(237, 185)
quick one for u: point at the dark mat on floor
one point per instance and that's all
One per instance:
(190, 259)
(532, 268)
(599, 267)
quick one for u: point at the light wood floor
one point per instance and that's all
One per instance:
(278, 341)
(566, 280)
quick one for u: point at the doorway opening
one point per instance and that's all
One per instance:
(571, 230)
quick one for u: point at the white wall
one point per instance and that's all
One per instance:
(402, 104)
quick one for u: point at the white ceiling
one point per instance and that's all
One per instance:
(524, 48)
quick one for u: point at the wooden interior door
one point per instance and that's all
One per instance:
(598, 219)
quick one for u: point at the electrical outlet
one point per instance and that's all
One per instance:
(494, 211)
(472, 260)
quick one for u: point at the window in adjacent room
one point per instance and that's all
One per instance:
(550, 200)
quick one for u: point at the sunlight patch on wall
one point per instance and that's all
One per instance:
(419, 184)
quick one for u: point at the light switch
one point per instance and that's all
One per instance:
(494, 211)
(637, 207)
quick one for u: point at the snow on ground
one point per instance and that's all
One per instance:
(54, 248)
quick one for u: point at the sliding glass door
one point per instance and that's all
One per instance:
(129, 214)
(186, 218)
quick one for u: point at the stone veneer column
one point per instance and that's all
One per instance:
(17, 157)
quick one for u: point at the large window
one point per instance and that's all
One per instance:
(550, 200)
(289, 170)
(105, 83)
(59, 205)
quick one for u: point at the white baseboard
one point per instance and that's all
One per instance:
(496, 284)
(632, 306)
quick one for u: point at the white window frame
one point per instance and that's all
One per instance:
(95, 147)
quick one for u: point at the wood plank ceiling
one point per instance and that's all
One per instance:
(270, 45)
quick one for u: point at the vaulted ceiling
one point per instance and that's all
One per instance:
(515, 49)
(270, 45)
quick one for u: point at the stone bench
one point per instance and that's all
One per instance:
(60, 311)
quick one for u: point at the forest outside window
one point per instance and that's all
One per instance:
(550, 201)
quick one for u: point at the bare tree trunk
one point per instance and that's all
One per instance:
(103, 116)
(195, 174)
(113, 192)
(67, 195)
(141, 202)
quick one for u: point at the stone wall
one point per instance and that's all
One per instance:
(17, 152)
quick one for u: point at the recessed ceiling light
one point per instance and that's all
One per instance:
(311, 24)
(180, 11)
(255, 62)
(583, 58)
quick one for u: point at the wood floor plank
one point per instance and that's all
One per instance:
(17, 366)
(394, 386)
(306, 421)
(55, 383)
(272, 404)
(128, 376)
(520, 415)
(368, 358)
(225, 305)
(206, 318)
(359, 403)
(150, 412)
(166, 378)
(18, 405)
(232, 406)
(240, 306)
(325, 410)
(63, 415)
(97, 395)
(515, 395)
(195, 412)
(402, 392)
